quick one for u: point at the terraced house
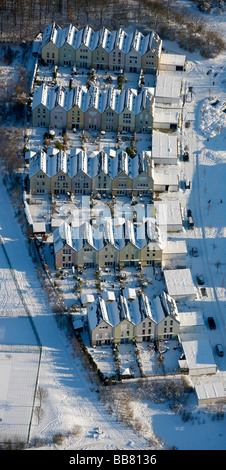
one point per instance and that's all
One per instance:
(122, 321)
(76, 108)
(77, 172)
(101, 49)
(93, 109)
(109, 243)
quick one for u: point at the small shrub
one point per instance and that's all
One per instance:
(58, 438)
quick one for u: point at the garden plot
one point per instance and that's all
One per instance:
(128, 361)
(103, 357)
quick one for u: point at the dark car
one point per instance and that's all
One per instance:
(219, 349)
(189, 213)
(211, 323)
(186, 156)
(195, 251)
(200, 279)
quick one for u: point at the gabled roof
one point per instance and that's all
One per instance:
(69, 35)
(139, 42)
(78, 162)
(57, 163)
(90, 38)
(96, 98)
(78, 97)
(122, 41)
(148, 232)
(98, 163)
(43, 95)
(37, 162)
(120, 163)
(140, 309)
(50, 34)
(165, 306)
(62, 97)
(141, 163)
(82, 236)
(62, 237)
(106, 39)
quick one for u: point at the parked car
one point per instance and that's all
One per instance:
(200, 279)
(211, 323)
(219, 349)
(190, 222)
(186, 156)
(195, 251)
(189, 213)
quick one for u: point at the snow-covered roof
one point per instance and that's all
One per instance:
(94, 97)
(164, 305)
(123, 40)
(120, 163)
(164, 146)
(87, 299)
(168, 86)
(172, 59)
(168, 214)
(37, 162)
(39, 227)
(199, 355)
(191, 318)
(166, 175)
(78, 97)
(148, 232)
(78, 162)
(175, 247)
(62, 237)
(90, 38)
(44, 95)
(50, 34)
(106, 39)
(210, 391)
(179, 283)
(141, 163)
(108, 296)
(166, 115)
(98, 162)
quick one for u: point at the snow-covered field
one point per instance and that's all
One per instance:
(75, 405)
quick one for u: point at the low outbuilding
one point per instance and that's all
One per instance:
(172, 62)
(164, 148)
(198, 358)
(208, 393)
(179, 284)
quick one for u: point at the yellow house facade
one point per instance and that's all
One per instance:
(100, 58)
(75, 118)
(124, 332)
(60, 183)
(40, 183)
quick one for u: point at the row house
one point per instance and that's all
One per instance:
(93, 109)
(110, 243)
(167, 316)
(101, 49)
(49, 175)
(119, 320)
(114, 173)
(50, 107)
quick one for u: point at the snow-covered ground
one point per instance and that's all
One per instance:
(75, 400)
